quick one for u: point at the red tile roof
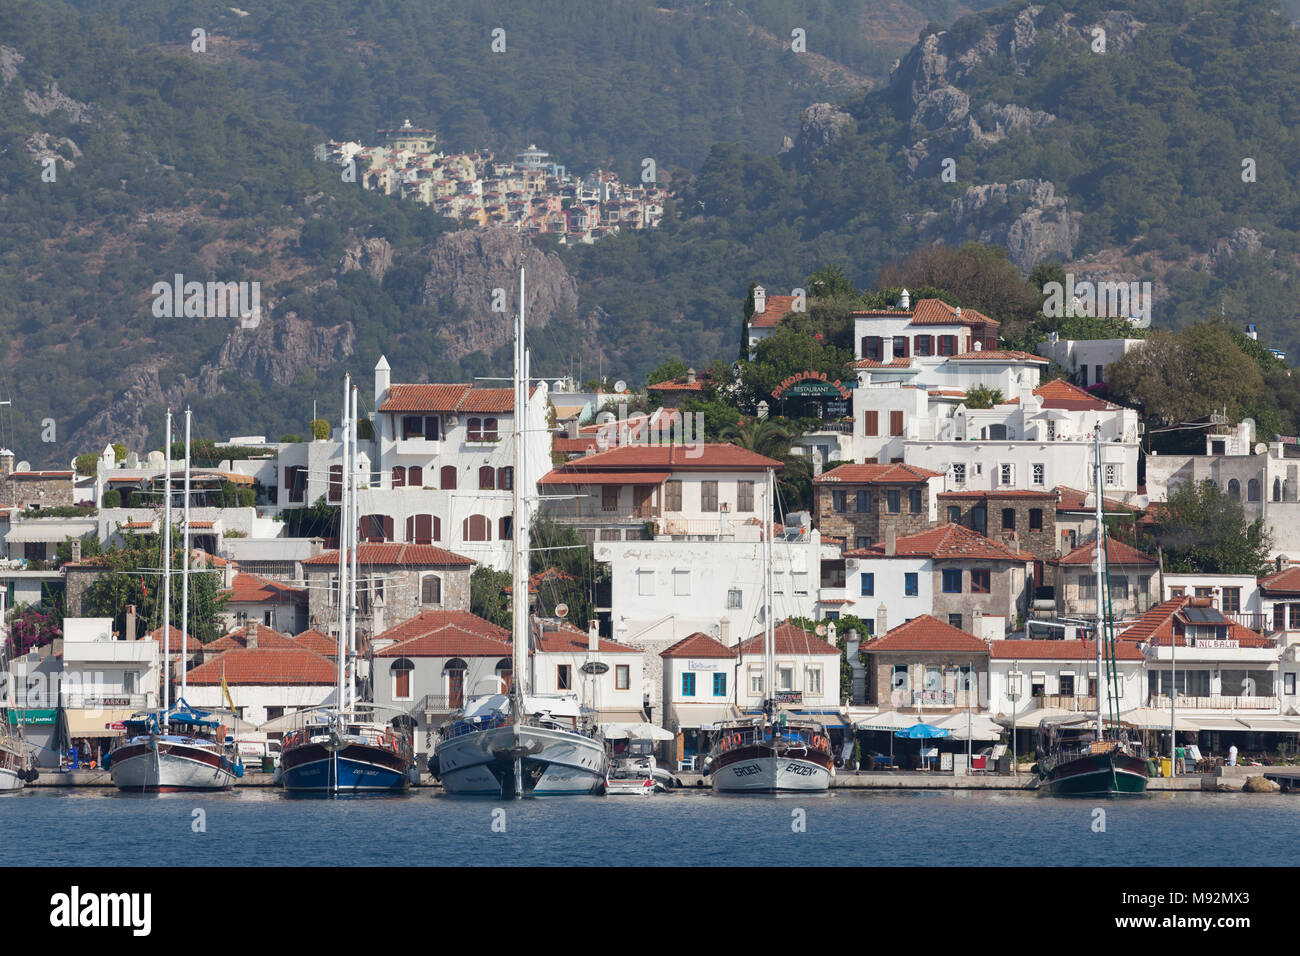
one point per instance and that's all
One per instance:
(714, 456)
(946, 541)
(927, 633)
(266, 637)
(1071, 499)
(445, 634)
(875, 474)
(1117, 552)
(317, 641)
(775, 308)
(1156, 626)
(1008, 493)
(174, 640)
(892, 363)
(1287, 582)
(1039, 650)
(997, 355)
(396, 554)
(699, 645)
(702, 381)
(570, 640)
(789, 639)
(266, 667)
(20, 475)
(933, 312)
(566, 477)
(255, 589)
(1061, 394)
(449, 398)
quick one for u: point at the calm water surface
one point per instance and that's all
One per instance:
(846, 828)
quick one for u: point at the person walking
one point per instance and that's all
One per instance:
(1180, 758)
(1232, 756)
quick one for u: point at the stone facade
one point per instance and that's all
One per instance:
(880, 670)
(1008, 594)
(387, 595)
(1032, 524)
(44, 489)
(874, 523)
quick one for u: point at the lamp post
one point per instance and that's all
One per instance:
(1014, 697)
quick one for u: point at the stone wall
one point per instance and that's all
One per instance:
(1042, 543)
(401, 596)
(17, 492)
(851, 524)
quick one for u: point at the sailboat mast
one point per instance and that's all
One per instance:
(1099, 555)
(345, 539)
(185, 558)
(167, 576)
(519, 579)
(769, 627)
(352, 576)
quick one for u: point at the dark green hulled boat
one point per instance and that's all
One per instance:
(1087, 756)
(1079, 765)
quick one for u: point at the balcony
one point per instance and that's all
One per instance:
(1259, 623)
(1067, 702)
(1220, 702)
(424, 448)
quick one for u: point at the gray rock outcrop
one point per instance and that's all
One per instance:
(820, 126)
(1038, 226)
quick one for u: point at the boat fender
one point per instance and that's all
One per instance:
(33, 775)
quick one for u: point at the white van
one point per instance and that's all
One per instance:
(252, 752)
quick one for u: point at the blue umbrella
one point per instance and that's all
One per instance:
(922, 732)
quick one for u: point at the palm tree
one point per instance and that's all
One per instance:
(771, 439)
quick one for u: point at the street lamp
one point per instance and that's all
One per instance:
(1014, 696)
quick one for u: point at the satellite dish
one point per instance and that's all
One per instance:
(558, 386)
(1260, 448)
(820, 630)
(620, 386)
(23, 466)
(561, 610)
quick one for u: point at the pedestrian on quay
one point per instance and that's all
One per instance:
(1180, 758)
(1232, 756)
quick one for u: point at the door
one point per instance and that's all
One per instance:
(455, 688)
(642, 500)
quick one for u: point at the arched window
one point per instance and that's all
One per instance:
(415, 476)
(399, 476)
(431, 589)
(455, 671)
(487, 478)
(474, 429)
(336, 483)
(1252, 490)
(506, 478)
(401, 674)
(1277, 489)
(505, 670)
(489, 429)
(447, 478)
(477, 528)
(423, 529)
(1234, 489)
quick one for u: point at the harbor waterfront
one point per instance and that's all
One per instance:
(259, 826)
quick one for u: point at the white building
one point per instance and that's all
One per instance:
(1054, 676)
(104, 679)
(1086, 359)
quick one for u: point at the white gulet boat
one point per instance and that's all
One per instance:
(775, 752)
(506, 743)
(174, 748)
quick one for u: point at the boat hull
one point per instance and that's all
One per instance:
(553, 762)
(356, 768)
(10, 780)
(161, 766)
(1097, 775)
(757, 768)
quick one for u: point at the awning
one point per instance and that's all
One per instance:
(604, 478)
(889, 720)
(1271, 724)
(1031, 717)
(701, 717)
(40, 530)
(96, 723)
(982, 727)
(641, 731)
(1152, 718)
(624, 715)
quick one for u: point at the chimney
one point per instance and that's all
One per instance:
(890, 541)
(882, 621)
(905, 301)
(130, 623)
(690, 376)
(382, 369)
(250, 633)
(724, 631)
(593, 636)
(6, 462)
(76, 550)
(572, 428)
(760, 300)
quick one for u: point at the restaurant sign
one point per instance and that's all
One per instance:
(946, 697)
(810, 383)
(1200, 642)
(789, 697)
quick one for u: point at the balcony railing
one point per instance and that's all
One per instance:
(1220, 702)
(1259, 623)
(590, 511)
(1068, 702)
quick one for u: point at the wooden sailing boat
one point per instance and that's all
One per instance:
(344, 748)
(174, 748)
(506, 742)
(776, 752)
(1101, 760)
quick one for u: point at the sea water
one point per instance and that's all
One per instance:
(264, 827)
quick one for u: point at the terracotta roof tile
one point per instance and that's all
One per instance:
(875, 474)
(775, 308)
(1071, 499)
(255, 589)
(266, 637)
(445, 633)
(991, 493)
(927, 633)
(317, 641)
(1117, 552)
(570, 640)
(998, 355)
(1287, 582)
(946, 541)
(449, 398)
(699, 645)
(789, 639)
(394, 554)
(266, 666)
(892, 363)
(174, 640)
(1041, 650)
(934, 312)
(1156, 626)
(1061, 394)
(712, 456)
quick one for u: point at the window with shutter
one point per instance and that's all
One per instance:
(447, 478)
(336, 483)
(895, 423)
(609, 497)
(487, 478)
(490, 429)
(474, 429)
(506, 528)
(399, 476)
(871, 423)
(674, 501)
(477, 528)
(431, 589)
(415, 476)
(708, 496)
(745, 496)
(506, 479)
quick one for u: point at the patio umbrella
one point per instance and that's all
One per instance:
(889, 720)
(981, 727)
(922, 732)
(647, 731)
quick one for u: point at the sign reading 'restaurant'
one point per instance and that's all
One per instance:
(811, 383)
